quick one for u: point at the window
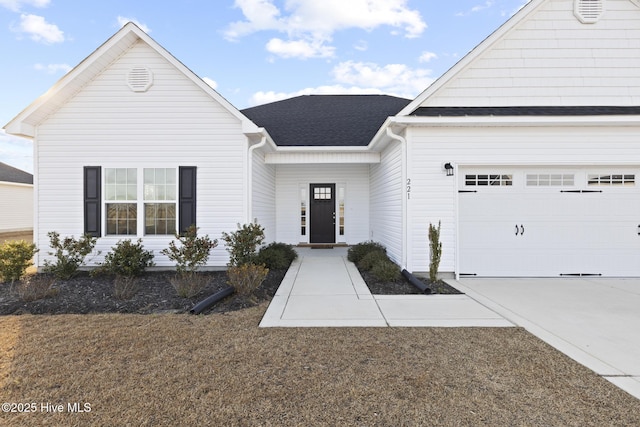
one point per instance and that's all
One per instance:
(160, 201)
(322, 193)
(550, 180)
(341, 210)
(303, 211)
(488, 180)
(121, 194)
(611, 179)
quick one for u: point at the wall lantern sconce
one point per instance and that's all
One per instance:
(449, 169)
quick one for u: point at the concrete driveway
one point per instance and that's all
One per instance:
(595, 321)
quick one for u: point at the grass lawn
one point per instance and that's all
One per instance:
(223, 370)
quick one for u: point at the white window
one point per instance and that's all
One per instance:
(488, 180)
(160, 201)
(611, 179)
(303, 211)
(121, 194)
(550, 180)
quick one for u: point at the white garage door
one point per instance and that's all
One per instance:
(538, 222)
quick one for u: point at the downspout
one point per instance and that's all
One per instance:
(404, 184)
(36, 195)
(252, 148)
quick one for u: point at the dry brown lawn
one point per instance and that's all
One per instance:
(222, 370)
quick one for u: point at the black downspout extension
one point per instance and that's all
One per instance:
(416, 282)
(209, 301)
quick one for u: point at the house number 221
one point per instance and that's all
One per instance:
(408, 188)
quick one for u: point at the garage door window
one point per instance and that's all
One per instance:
(488, 180)
(611, 179)
(550, 180)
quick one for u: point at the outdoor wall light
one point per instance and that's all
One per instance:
(449, 169)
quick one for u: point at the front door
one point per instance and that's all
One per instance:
(323, 213)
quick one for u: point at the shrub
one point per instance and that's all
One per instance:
(276, 256)
(357, 252)
(243, 243)
(435, 251)
(15, 258)
(70, 254)
(125, 287)
(372, 259)
(386, 271)
(127, 259)
(193, 252)
(247, 277)
(36, 286)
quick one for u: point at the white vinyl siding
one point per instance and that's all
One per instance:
(551, 58)
(16, 207)
(387, 192)
(172, 124)
(290, 178)
(264, 195)
(434, 195)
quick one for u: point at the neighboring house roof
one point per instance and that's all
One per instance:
(527, 111)
(325, 120)
(24, 124)
(11, 174)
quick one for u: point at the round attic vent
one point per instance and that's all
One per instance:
(589, 11)
(139, 79)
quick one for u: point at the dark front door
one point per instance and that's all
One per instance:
(323, 213)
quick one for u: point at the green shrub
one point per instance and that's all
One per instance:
(372, 259)
(247, 277)
(70, 254)
(36, 286)
(15, 258)
(193, 252)
(386, 271)
(243, 243)
(359, 251)
(435, 251)
(276, 256)
(126, 259)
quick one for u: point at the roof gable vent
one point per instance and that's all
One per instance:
(139, 79)
(588, 11)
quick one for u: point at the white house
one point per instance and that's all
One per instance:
(527, 151)
(16, 200)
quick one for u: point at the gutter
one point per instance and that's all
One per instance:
(403, 144)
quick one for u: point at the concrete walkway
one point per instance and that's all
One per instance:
(323, 289)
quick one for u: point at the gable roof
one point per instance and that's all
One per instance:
(24, 123)
(11, 174)
(325, 120)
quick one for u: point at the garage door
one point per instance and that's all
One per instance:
(543, 222)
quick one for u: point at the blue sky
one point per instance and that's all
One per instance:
(250, 51)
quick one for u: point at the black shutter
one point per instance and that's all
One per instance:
(187, 198)
(92, 200)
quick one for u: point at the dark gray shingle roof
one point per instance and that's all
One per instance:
(11, 174)
(526, 111)
(325, 120)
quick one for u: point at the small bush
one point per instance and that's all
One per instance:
(126, 259)
(15, 258)
(36, 286)
(435, 251)
(125, 287)
(247, 277)
(243, 243)
(193, 252)
(277, 256)
(359, 251)
(70, 254)
(188, 285)
(372, 259)
(386, 271)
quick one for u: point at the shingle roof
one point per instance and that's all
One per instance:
(11, 174)
(326, 120)
(527, 111)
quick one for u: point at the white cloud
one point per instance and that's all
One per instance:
(427, 56)
(361, 45)
(39, 29)
(477, 8)
(396, 79)
(210, 82)
(123, 20)
(53, 68)
(17, 152)
(300, 49)
(315, 22)
(16, 5)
